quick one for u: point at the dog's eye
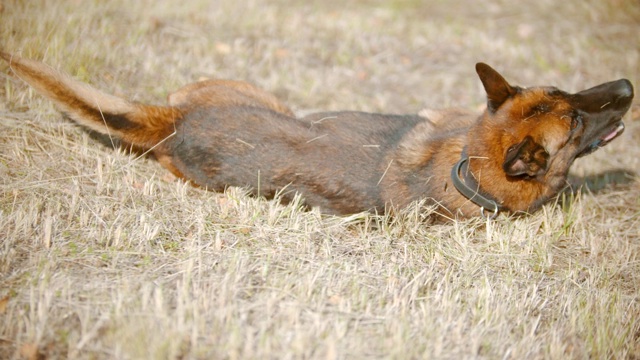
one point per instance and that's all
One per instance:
(541, 109)
(576, 121)
(511, 148)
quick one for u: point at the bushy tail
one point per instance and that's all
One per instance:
(137, 124)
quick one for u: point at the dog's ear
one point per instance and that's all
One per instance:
(526, 158)
(497, 88)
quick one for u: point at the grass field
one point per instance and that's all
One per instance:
(104, 255)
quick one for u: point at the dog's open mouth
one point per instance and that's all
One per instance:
(603, 140)
(608, 137)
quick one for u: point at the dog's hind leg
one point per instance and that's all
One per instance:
(224, 93)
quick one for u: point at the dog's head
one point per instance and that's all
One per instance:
(543, 129)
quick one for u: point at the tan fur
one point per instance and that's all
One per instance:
(87, 106)
(221, 93)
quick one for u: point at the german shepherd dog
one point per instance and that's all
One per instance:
(513, 157)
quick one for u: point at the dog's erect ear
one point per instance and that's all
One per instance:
(497, 88)
(526, 158)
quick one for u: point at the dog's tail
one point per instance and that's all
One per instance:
(137, 124)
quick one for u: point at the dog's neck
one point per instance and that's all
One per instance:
(468, 186)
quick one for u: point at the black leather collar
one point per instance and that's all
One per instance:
(469, 187)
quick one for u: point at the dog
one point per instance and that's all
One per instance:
(512, 158)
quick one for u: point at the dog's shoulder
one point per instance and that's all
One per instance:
(448, 118)
(440, 128)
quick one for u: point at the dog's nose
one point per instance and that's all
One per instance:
(622, 89)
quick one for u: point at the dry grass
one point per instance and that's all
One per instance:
(105, 256)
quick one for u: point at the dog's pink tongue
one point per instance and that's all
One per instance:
(614, 133)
